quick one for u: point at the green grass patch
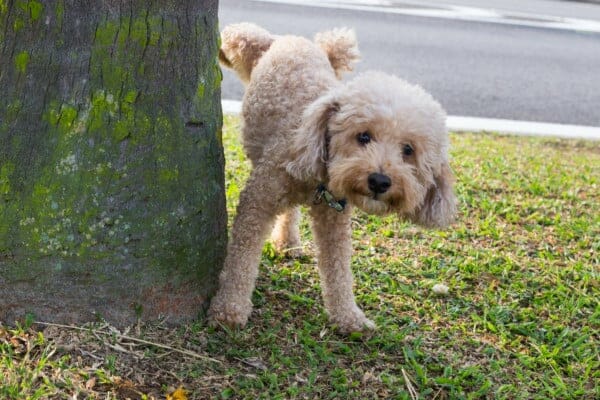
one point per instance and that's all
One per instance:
(521, 320)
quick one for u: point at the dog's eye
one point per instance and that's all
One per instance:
(407, 150)
(364, 137)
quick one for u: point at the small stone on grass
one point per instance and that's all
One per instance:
(440, 289)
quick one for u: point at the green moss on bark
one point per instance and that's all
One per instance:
(120, 177)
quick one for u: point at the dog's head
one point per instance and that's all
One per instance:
(382, 144)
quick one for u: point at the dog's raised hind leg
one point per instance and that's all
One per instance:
(286, 233)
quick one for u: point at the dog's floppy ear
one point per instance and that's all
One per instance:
(439, 207)
(308, 152)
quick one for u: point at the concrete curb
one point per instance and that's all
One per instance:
(522, 128)
(473, 124)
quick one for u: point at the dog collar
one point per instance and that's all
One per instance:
(323, 194)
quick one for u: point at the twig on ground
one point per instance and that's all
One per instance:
(411, 389)
(133, 339)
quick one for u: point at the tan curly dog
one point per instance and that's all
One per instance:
(376, 142)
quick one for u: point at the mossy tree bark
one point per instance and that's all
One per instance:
(111, 164)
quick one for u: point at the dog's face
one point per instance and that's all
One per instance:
(381, 144)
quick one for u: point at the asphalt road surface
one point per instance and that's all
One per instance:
(521, 71)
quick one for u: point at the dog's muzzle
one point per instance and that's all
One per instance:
(379, 183)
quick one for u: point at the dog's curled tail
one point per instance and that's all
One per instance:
(341, 48)
(242, 45)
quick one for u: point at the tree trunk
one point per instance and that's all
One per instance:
(111, 165)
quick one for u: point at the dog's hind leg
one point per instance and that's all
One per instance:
(333, 236)
(286, 234)
(256, 213)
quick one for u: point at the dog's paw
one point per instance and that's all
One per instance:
(292, 252)
(354, 321)
(288, 249)
(364, 325)
(228, 313)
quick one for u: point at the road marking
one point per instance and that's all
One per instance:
(463, 13)
(473, 124)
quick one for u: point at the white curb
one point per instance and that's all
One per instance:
(231, 106)
(472, 124)
(523, 128)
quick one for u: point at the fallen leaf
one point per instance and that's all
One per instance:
(90, 383)
(179, 394)
(255, 362)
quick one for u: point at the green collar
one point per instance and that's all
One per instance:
(322, 193)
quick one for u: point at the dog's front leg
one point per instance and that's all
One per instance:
(332, 234)
(256, 213)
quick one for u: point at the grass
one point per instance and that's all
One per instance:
(521, 320)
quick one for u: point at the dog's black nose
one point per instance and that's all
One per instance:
(379, 183)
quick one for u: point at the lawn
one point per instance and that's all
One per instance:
(521, 319)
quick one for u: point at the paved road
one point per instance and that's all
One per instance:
(585, 9)
(478, 69)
